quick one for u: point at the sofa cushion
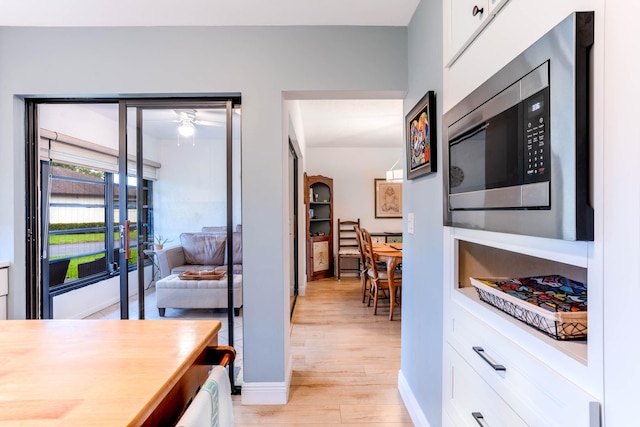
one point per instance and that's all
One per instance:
(237, 248)
(203, 248)
(221, 229)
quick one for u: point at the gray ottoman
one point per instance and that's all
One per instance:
(173, 292)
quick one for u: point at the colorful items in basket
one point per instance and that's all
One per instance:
(202, 275)
(552, 304)
(553, 293)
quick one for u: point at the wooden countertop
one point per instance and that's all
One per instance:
(94, 372)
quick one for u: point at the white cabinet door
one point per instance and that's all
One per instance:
(469, 400)
(496, 5)
(463, 20)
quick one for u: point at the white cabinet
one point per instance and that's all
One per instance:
(468, 398)
(496, 5)
(4, 289)
(463, 21)
(504, 369)
(530, 389)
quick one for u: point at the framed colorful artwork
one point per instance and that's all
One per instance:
(388, 199)
(421, 137)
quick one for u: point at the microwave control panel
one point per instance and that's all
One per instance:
(536, 137)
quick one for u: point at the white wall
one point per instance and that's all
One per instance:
(621, 210)
(259, 63)
(88, 300)
(191, 191)
(422, 264)
(353, 171)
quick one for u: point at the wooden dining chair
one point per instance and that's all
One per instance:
(364, 278)
(377, 275)
(347, 246)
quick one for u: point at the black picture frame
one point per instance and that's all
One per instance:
(421, 142)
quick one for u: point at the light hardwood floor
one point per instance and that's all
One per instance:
(345, 364)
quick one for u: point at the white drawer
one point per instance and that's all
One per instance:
(468, 397)
(538, 394)
(4, 281)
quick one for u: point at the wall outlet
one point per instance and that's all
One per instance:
(410, 222)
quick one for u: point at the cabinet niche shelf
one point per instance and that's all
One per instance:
(541, 371)
(477, 260)
(319, 215)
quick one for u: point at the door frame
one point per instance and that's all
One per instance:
(293, 178)
(38, 305)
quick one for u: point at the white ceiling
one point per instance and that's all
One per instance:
(330, 123)
(352, 123)
(372, 123)
(205, 12)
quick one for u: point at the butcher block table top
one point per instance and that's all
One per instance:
(95, 372)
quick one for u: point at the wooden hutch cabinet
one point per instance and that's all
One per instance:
(319, 203)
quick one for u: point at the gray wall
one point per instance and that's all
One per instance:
(259, 63)
(422, 263)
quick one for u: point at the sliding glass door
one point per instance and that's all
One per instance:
(116, 178)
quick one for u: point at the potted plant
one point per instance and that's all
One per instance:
(159, 242)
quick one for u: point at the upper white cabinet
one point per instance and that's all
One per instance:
(463, 21)
(496, 5)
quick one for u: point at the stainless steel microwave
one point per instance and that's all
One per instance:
(517, 148)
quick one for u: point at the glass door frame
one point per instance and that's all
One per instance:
(140, 105)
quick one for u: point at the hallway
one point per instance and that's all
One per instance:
(345, 364)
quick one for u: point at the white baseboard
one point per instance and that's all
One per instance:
(275, 393)
(410, 402)
(268, 393)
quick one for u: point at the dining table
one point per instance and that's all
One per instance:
(391, 255)
(101, 372)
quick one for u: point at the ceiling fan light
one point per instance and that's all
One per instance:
(186, 129)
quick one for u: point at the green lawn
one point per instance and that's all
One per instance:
(72, 272)
(58, 239)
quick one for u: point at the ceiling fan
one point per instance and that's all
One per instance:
(188, 121)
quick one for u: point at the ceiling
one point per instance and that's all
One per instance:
(205, 12)
(329, 123)
(373, 123)
(352, 122)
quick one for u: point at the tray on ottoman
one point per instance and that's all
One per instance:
(202, 275)
(552, 304)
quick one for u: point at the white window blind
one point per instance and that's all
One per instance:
(58, 147)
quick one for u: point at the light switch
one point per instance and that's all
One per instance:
(410, 222)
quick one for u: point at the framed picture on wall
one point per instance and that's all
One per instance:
(421, 137)
(388, 199)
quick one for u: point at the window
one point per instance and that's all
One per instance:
(83, 233)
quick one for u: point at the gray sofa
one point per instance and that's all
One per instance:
(204, 250)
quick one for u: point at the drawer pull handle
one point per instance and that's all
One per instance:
(477, 10)
(495, 366)
(479, 419)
